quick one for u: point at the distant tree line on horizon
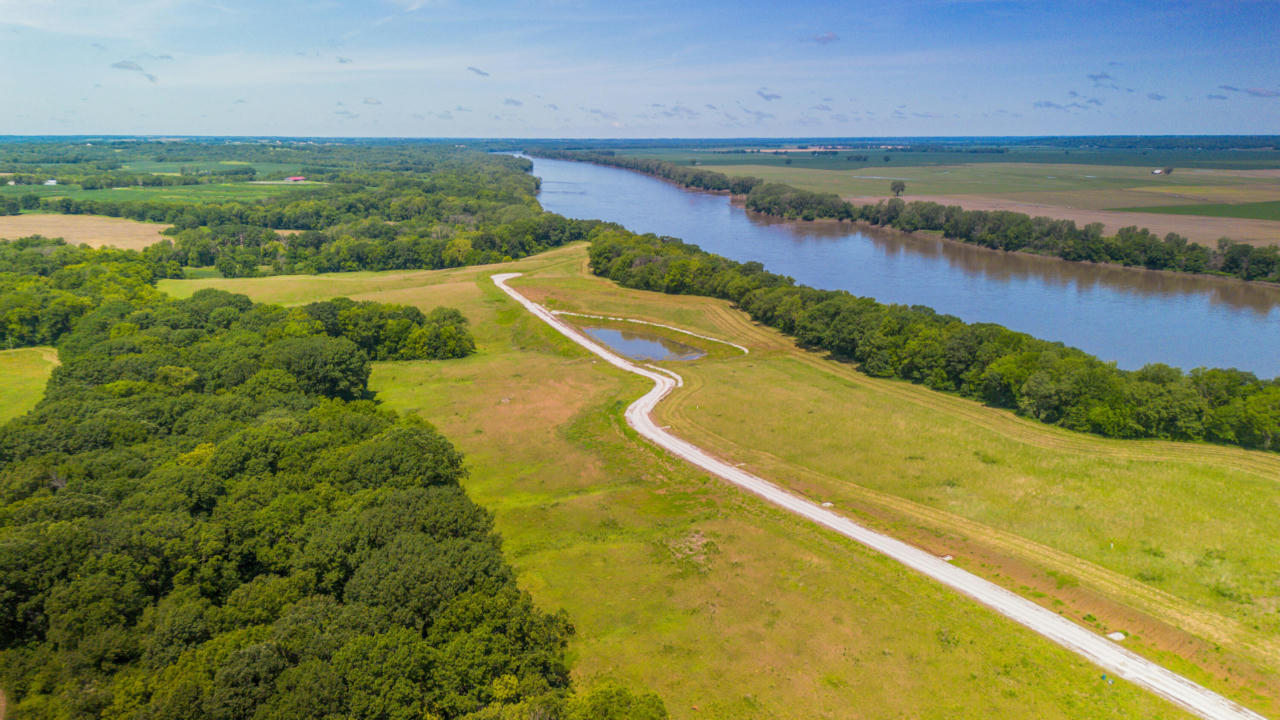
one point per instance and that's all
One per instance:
(1039, 379)
(994, 229)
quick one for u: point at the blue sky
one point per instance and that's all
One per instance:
(563, 68)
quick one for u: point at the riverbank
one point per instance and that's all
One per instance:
(1125, 315)
(1004, 229)
(1257, 295)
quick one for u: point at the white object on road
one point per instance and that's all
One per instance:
(1093, 647)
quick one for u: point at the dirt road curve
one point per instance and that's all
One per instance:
(1103, 652)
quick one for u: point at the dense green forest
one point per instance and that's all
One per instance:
(996, 229)
(378, 206)
(207, 516)
(1043, 380)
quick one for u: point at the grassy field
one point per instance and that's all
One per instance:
(23, 373)
(89, 229)
(722, 603)
(1050, 182)
(1251, 210)
(1231, 159)
(175, 168)
(673, 579)
(1085, 193)
(218, 192)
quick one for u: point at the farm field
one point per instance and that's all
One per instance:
(93, 230)
(1238, 160)
(23, 373)
(175, 168)
(222, 192)
(1083, 193)
(713, 584)
(1254, 210)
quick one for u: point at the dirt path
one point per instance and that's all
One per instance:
(1099, 650)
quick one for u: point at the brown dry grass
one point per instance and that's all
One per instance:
(1203, 230)
(87, 229)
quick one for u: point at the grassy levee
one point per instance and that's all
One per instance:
(1173, 543)
(674, 579)
(23, 374)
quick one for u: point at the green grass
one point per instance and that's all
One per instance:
(1250, 211)
(174, 168)
(675, 580)
(182, 193)
(23, 374)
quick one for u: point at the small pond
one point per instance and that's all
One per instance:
(643, 346)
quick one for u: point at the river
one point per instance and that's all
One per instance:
(1130, 316)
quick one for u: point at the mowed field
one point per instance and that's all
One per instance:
(1159, 540)
(23, 374)
(1083, 193)
(93, 230)
(720, 602)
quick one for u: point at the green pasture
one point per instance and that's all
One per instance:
(23, 374)
(1249, 211)
(175, 168)
(727, 607)
(219, 192)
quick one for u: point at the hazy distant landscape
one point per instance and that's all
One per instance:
(540, 361)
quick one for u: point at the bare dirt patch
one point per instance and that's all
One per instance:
(1203, 230)
(88, 229)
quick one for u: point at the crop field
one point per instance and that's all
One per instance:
(174, 168)
(1079, 192)
(23, 373)
(673, 579)
(221, 192)
(89, 229)
(999, 179)
(1251, 210)
(1233, 159)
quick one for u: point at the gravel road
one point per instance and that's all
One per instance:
(1104, 653)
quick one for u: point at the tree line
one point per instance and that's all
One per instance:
(441, 211)
(995, 229)
(1043, 380)
(207, 517)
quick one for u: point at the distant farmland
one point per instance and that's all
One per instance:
(89, 229)
(1249, 211)
(245, 192)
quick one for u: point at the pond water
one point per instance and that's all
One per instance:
(643, 346)
(1129, 316)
